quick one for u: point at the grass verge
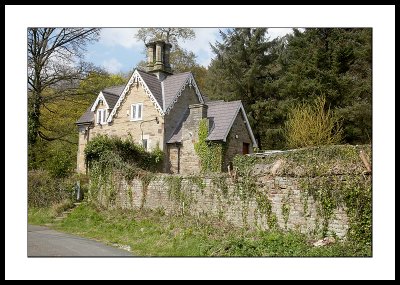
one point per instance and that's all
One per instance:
(151, 233)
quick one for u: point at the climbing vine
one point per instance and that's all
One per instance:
(111, 159)
(146, 178)
(210, 153)
(334, 176)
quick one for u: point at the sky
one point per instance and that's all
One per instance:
(119, 51)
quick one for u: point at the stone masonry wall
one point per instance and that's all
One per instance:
(122, 125)
(172, 120)
(235, 145)
(82, 141)
(219, 197)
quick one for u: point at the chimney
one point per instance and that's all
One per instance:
(150, 56)
(198, 111)
(158, 53)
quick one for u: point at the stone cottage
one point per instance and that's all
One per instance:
(161, 109)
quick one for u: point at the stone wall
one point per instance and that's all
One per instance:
(82, 142)
(237, 136)
(280, 201)
(122, 125)
(174, 158)
(177, 113)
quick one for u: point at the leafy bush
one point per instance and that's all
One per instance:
(117, 152)
(60, 164)
(45, 190)
(312, 125)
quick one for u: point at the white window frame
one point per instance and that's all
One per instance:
(136, 111)
(101, 117)
(148, 142)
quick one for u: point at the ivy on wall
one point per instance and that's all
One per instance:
(111, 159)
(332, 175)
(210, 153)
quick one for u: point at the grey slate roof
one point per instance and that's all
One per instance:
(111, 99)
(154, 85)
(116, 90)
(177, 134)
(221, 116)
(172, 84)
(111, 94)
(87, 117)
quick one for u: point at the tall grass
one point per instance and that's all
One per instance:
(151, 233)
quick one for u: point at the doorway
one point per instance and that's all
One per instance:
(246, 148)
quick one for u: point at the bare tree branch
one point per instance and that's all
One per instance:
(52, 54)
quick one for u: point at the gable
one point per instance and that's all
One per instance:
(222, 115)
(173, 87)
(100, 99)
(137, 79)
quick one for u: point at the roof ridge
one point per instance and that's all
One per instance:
(110, 93)
(148, 73)
(115, 86)
(180, 73)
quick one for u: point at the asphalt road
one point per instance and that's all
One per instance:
(43, 241)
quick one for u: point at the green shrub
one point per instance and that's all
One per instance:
(117, 152)
(60, 164)
(210, 153)
(312, 125)
(45, 190)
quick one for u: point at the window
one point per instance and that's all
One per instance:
(144, 142)
(136, 112)
(101, 116)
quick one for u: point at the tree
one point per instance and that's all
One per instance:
(58, 120)
(270, 76)
(170, 35)
(53, 72)
(312, 125)
(336, 63)
(244, 69)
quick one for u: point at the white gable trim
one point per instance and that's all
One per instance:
(99, 97)
(189, 81)
(135, 78)
(247, 124)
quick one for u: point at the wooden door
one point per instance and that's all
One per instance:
(246, 147)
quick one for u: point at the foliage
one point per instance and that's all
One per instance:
(170, 35)
(53, 70)
(337, 63)
(269, 76)
(243, 66)
(111, 159)
(210, 153)
(40, 216)
(332, 175)
(319, 161)
(58, 119)
(124, 151)
(151, 233)
(312, 125)
(246, 183)
(45, 190)
(98, 80)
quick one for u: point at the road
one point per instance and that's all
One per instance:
(43, 241)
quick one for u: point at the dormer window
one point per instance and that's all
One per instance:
(101, 116)
(136, 112)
